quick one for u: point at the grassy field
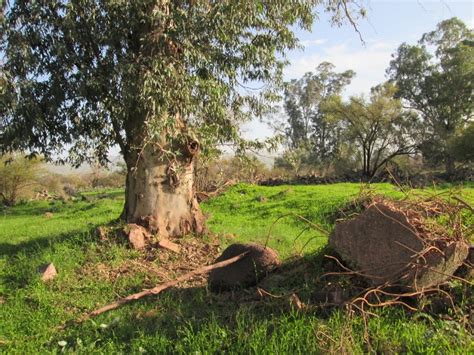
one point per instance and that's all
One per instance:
(94, 272)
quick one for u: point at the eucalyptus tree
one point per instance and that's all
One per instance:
(435, 78)
(307, 127)
(161, 79)
(378, 128)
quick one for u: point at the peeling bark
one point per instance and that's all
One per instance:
(160, 194)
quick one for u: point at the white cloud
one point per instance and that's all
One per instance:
(313, 42)
(369, 63)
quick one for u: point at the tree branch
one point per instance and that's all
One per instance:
(159, 288)
(349, 17)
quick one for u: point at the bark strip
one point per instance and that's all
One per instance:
(159, 288)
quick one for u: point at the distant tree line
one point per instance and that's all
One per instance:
(424, 109)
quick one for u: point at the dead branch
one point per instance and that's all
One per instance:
(464, 203)
(159, 288)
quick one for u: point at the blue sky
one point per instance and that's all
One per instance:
(388, 24)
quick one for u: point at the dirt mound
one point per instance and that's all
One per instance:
(246, 272)
(390, 243)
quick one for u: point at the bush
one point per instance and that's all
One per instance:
(19, 176)
(210, 174)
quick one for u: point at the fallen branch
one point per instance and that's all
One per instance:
(159, 288)
(464, 203)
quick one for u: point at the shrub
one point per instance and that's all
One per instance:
(212, 173)
(18, 177)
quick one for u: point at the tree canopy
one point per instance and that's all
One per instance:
(17, 174)
(89, 74)
(434, 78)
(462, 145)
(307, 129)
(378, 128)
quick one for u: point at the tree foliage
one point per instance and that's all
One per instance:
(379, 129)
(462, 145)
(162, 79)
(84, 75)
(307, 128)
(17, 175)
(434, 78)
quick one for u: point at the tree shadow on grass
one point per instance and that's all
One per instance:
(35, 246)
(180, 315)
(66, 211)
(23, 270)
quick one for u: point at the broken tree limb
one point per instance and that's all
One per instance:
(164, 286)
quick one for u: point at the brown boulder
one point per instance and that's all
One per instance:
(384, 246)
(466, 271)
(246, 272)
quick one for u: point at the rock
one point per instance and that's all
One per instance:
(167, 244)
(137, 236)
(246, 272)
(101, 232)
(47, 271)
(70, 190)
(438, 264)
(382, 245)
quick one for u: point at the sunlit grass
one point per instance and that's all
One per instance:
(92, 273)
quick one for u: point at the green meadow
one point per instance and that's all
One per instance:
(37, 317)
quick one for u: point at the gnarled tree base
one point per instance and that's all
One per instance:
(160, 193)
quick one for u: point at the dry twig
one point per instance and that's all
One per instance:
(159, 288)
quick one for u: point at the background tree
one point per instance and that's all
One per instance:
(18, 174)
(307, 129)
(292, 160)
(462, 145)
(435, 79)
(161, 79)
(379, 128)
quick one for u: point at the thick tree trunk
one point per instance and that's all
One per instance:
(160, 193)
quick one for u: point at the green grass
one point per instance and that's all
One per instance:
(184, 320)
(248, 212)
